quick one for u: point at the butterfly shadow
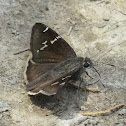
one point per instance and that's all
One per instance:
(65, 104)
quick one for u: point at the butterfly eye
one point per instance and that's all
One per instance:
(86, 64)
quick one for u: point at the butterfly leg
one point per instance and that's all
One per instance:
(77, 76)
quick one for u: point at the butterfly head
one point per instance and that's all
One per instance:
(87, 62)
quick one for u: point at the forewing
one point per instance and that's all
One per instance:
(47, 46)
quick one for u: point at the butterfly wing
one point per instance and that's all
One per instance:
(51, 81)
(47, 46)
(47, 49)
(33, 72)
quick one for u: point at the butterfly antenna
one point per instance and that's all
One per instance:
(108, 65)
(97, 72)
(92, 78)
(21, 51)
(98, 79)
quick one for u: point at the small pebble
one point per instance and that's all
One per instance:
(0, 115)
(122, 112)
(15, 32)
(4, 106)
(90, 121)
(106, 19)
(121, 124)
(101, 24)
(86, 122)
(13, 81)
(83, 108)
(93, 122)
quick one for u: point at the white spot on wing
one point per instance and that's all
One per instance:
(54, 83)
(41, 91)
(37, 51)
(46, 93)
(44, 42)
(58, 37)
(62, 83)
(32, 93)
(43, 47)
(66, 77)
(46, 29)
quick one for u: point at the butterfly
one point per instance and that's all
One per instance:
(51, 63)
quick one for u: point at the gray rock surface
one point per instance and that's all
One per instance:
(95, 29)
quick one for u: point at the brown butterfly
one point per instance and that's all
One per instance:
(51, 63)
